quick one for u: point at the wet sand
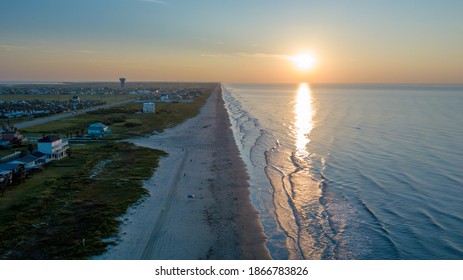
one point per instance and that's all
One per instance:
(199, 205)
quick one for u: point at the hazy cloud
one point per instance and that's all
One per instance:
(86, 51)
(216, 55)
(265, 55)
(154, 1)
(14, 48)
(252, 55)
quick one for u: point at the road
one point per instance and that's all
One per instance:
(67, 115)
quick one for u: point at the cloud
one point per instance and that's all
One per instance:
(257, 55)
(265, 55)
(86, 51)
(216, 55)
(154, 1)
(14, 48)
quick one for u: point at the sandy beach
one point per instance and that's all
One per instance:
(199, 205)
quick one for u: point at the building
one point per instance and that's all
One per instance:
(122, 82)
(12, 172)
(98, 130)
(29, 162)
(13, 137)
(75, 99)
(33, 160)
(41, 157)
(149, 107)
(53, 146)
(164, 98)
(4, 143)
(6, 178)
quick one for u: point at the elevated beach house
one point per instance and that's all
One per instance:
(98, 130)
(53, 146)
(149, 107)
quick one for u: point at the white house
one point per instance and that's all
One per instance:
(53, 146)
(149, 107)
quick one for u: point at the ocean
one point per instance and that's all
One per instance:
(353, 171)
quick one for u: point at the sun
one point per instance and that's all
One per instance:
(304, 61)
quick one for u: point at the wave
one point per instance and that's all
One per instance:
(289, 195)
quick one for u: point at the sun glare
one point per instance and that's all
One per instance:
(304, 112)
(304, 61)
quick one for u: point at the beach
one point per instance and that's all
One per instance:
(199, 205)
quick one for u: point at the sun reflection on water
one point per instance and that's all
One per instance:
(304, 112)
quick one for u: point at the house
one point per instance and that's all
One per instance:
(149, 107)
(30, 161)
(41, 157)
(4, 143)
(76, 99)
(6, 179)
(164, 98)
(14, 137)
(98, 130)
(18, 171)
(53, 146)
(12, 167)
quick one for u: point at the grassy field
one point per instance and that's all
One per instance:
(69, 210)
(77, 198)
(125, 121)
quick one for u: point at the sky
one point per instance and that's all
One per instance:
(357, 41)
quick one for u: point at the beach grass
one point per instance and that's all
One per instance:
(70, 209)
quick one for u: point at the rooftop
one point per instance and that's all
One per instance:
(49, 139)
(102, 125)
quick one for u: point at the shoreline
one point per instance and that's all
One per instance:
(199, 205)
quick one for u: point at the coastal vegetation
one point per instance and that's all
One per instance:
(67, 210)
(126, 121)
(71, 209)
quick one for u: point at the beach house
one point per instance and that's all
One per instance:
(98, 130)
(6, 178)
(75, 99)
(12, 172)
(29, 162)
(149, 107)
(13, 137)
(53, 146)
(32, 161)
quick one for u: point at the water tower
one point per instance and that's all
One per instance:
(122, 82)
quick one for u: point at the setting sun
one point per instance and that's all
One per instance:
(304, 61)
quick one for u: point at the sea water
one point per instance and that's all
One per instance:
(354, 171)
